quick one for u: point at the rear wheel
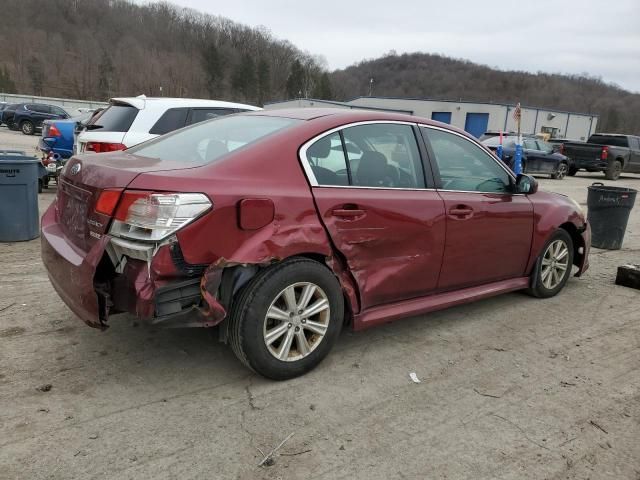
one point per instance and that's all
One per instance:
(554, 266)
(287, 319)
(561, 172)
(27, 127)
(11, 125)
(614, 169)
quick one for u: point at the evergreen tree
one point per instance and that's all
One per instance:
(264, 81)
(213, 67)
(105, 76)
(35, 69)
(295, 82)
(323, 90)
(7, 85)
(244, 78)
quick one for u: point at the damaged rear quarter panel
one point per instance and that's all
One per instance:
(270, 170)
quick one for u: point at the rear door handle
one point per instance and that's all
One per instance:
(461, 211)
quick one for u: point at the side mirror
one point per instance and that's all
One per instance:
(526, 184)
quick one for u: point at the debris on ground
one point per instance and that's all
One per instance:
(93, 436)
(599, 427)
(44, 388)
(268, 459)
(628, 276)
(414, 377)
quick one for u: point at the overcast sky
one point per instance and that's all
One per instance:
(601, 38)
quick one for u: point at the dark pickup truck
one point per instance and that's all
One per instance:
(605, 152)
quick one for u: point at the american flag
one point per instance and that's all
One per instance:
(517, 113)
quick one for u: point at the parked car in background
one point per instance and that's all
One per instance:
(6, 114)
(129, 121)
(257, 224)
(610, 153)
(538, 156)
(56, 142)
(28, 117)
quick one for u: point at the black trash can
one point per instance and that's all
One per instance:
(609, 209)
(19, 216)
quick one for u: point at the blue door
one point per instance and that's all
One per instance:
(476, 123)
(444, 117)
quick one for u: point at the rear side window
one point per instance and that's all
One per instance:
(201, 114)
(207, 142)
(374, 155)
(58, 111)
(171, 120)
(609, 140)
(115, 118)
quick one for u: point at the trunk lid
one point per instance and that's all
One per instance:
(83, 180)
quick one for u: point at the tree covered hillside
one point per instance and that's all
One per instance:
(96, 49)
(434, 76)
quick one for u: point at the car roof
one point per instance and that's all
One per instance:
(142, 101)
(343, 116)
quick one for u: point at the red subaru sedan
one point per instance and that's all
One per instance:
(280, 227)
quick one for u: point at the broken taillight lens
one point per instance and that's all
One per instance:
(151, 216)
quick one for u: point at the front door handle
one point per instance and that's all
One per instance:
(349, 210)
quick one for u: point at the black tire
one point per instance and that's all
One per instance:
(614, 169)
(538, 288)
(11, 125)
(572, 171)
(248, 317)
(27, 127)
(561, 172)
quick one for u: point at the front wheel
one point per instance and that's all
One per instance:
(561, 172)
(27, 127)
(287, 318)
(572, 171)
(554, 266)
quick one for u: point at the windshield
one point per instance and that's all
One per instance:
(609, 140)
(208, 141)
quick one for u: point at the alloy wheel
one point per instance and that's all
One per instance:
(555, 263)
(562, 171)
(296, 321)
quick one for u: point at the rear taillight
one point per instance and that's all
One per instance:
(102, 147)
(53, 131)
(605, 153)
(151, 216)
(107, 201)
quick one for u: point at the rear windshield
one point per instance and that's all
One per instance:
(115, 118)
(609, 140)
(207, 141)
(507, 142)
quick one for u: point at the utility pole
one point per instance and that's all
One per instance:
(371, 87)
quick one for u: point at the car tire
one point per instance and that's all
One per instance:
(562, 171)
(553, 268)
(27, 127)
(284, 290)
(572, 171)
(613, 171)
(11, 125)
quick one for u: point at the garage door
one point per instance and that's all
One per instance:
(476, 123)
(444, 117)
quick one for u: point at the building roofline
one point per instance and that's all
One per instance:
(478, 103)
(342, 104)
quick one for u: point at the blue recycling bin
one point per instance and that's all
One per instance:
(19, 216)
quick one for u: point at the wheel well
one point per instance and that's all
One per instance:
(621, 160)
(578, 243)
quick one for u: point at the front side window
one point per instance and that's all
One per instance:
(58, 111)
(464, 166)
(530, 144)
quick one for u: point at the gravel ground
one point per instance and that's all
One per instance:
(511, 387)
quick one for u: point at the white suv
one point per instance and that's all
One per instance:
(129, 121)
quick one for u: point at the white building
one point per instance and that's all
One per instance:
(475, 118)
